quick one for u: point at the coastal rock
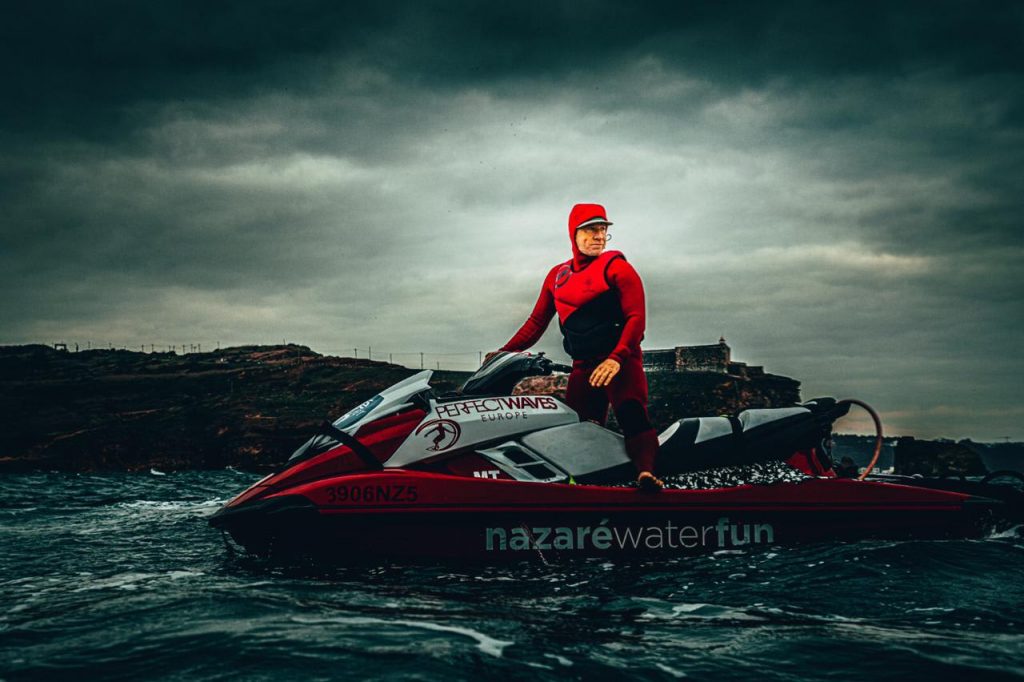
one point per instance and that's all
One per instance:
(251, 406)
(247, 407)
(936, 458)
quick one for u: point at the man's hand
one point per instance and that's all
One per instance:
(491, 355)
(604, 373)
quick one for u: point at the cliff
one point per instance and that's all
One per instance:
(248, 407)
(937, 458)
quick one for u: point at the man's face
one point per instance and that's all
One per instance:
(591, 240)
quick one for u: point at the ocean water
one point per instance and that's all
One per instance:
(118, 576)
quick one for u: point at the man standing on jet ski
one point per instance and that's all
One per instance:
(599, 299)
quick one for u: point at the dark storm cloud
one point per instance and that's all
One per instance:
(837, 187)
(78, 68)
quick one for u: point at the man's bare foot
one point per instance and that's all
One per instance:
(648, 482)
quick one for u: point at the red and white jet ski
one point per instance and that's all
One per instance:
(486, 474)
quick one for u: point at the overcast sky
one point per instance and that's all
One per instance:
(838, 189)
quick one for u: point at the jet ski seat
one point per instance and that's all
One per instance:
(588, 453)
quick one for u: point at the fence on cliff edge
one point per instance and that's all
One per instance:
(426, 359)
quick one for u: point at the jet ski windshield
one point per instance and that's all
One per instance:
(322, 442)
(392, 399)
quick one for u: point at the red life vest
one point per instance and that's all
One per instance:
(589, 313)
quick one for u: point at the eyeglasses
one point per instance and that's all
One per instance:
(594, 230)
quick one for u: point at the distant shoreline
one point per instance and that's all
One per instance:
(250, 406)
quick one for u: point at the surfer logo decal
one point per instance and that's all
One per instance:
(443, 432)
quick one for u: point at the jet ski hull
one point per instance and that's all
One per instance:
(419, 515)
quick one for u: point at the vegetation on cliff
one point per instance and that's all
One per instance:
(247, 406)
(251, 406)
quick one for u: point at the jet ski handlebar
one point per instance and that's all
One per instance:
(546, 366)
(504, 369)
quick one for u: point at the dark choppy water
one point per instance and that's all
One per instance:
(119, 577)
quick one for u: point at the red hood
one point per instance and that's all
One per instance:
(580, 214)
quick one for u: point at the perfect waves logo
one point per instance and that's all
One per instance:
(445, 433)
(485, 406)
(602, 537)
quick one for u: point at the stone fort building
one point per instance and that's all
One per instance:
(715, 358)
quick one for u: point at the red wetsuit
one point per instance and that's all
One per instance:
(600, 307)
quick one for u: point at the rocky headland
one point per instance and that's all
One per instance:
(251, 406)
(247, 407)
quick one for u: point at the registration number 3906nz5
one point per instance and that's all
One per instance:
(372, 494)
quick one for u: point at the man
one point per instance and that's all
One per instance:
(599, 299)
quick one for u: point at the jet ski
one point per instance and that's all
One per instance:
(483, 473)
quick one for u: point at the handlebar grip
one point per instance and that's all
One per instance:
(561, 368)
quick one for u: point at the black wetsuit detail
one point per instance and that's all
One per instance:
(594, 329)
